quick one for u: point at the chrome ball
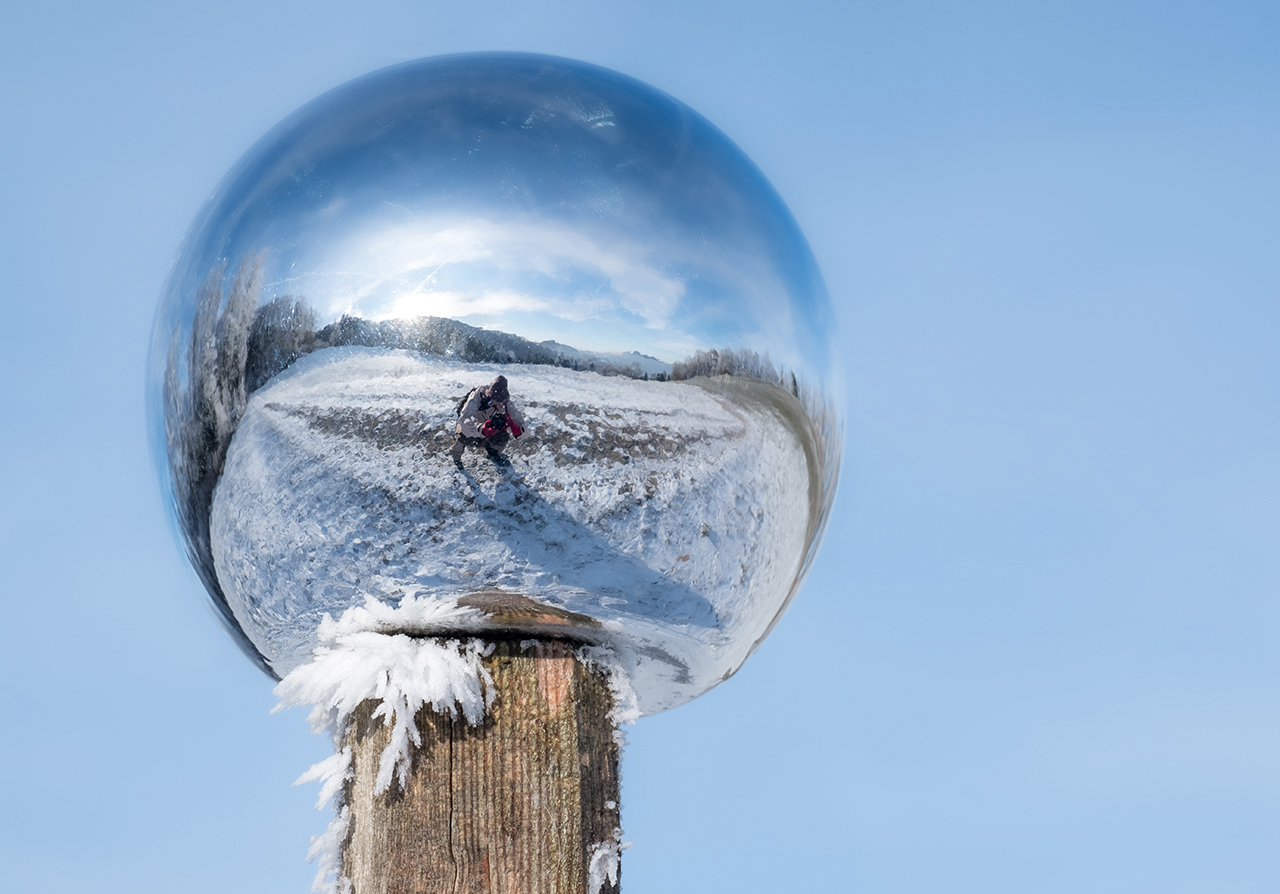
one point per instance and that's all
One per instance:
(322, 398)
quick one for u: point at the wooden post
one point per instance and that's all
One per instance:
(514, 806)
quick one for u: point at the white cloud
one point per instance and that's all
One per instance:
(424, 267)
(457, 305)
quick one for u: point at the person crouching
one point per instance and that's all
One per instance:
(487, 418)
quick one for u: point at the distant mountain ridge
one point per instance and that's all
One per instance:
(452, 340)
(651, 366)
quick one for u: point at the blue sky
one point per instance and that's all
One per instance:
(1039, 649)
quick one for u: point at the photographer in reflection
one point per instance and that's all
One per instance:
(487, 418)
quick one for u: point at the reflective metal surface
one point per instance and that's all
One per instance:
(662, 327)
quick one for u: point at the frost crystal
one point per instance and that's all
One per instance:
(606, 856)
(360, 658)
(326, 849)
(626, 706)
(366, 654)
(332, 773)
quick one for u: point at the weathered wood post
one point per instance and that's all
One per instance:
(522, 804)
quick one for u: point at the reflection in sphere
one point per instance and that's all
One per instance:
(655, 466)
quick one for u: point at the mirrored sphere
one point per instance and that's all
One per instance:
(655, 466)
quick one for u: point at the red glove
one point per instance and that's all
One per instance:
(516, 431)
(492, 426)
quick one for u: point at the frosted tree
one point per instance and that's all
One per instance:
(204, 400)
(283, 330)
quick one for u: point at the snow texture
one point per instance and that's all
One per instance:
(672, 518)
(606, 858)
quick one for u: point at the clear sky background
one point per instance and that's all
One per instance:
(1039, 651)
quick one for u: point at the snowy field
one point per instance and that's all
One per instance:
(669, 518)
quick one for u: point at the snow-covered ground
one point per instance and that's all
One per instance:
(668, 518)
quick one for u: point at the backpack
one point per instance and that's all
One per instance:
(484, 404)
